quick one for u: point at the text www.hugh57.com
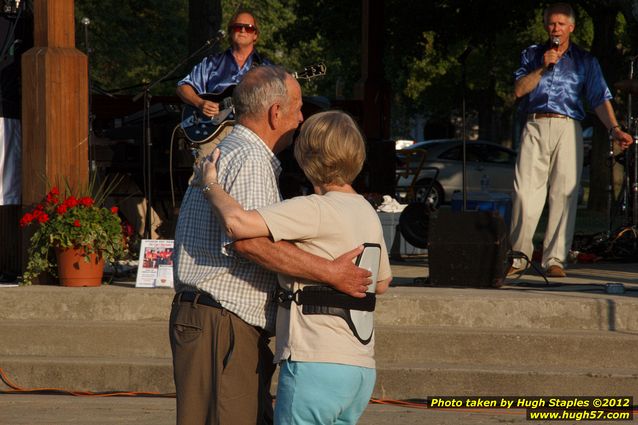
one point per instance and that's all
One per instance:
(577, 415)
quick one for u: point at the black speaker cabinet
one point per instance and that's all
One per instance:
(467, 249)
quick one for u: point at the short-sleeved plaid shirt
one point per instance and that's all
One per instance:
(249, 171)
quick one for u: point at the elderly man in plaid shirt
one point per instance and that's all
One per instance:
(223, 313)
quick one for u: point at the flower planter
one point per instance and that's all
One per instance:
(73, 270)
(62, 219)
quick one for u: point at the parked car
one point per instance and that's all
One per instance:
(484, 159)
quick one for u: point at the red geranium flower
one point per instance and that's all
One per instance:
(26, 219)
(87, 201)
(52, 199)
(61, 209)
(71, 202)
(43, 218)
(114, 210)
(76, 223)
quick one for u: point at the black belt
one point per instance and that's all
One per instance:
(199, 297)
(538, 115)
(202, 298)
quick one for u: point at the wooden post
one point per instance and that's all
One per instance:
(372, 88)
(54, 103)
(54, 107)
(374, 92)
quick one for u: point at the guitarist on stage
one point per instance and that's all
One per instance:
(219, 71)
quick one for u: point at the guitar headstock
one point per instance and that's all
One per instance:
(311, 71)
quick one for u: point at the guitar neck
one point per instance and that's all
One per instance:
(310, 72)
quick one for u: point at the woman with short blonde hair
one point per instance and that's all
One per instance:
(327, 367)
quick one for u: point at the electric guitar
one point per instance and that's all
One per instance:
(199, 128)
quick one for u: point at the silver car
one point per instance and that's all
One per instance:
(487, 163)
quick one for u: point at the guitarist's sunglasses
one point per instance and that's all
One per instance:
(249, 28)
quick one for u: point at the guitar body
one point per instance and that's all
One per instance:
(199, 128)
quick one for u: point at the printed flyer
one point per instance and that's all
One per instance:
(155, 268)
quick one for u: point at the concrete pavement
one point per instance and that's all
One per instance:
(63, 410)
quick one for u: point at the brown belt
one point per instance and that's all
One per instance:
(545, 115)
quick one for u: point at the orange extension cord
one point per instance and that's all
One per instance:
(422, 404)
(15, 389)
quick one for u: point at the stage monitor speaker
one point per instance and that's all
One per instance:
(467, 249)
(414, 224)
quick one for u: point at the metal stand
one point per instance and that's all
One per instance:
(633, 153)
(634, 183)
(610, 187)
(463, 59)
(629, 193)
(92, 164)
(146, 128)
(615, 242)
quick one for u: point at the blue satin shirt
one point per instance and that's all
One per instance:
(217, 72)
(575, 76)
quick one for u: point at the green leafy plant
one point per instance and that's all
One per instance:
(66, 220)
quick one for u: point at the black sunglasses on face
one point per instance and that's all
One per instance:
(249, 28)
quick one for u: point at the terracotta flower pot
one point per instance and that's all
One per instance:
(73, 270)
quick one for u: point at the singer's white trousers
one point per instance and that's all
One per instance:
(10, 161)
(550, 162)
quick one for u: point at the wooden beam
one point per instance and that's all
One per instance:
(374, 92)
(54, 23)
(372, 88)
(54, 103)
(54, 107)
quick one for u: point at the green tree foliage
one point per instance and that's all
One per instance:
(132, 42)
(329, 32)
(296, 34)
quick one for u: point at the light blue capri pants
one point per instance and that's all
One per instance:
(310, 393)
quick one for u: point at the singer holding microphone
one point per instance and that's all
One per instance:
(218, 71)
(554, 78)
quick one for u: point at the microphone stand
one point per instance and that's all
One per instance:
(634, 162)
(146, 127)
(463, 59)
(86, 22)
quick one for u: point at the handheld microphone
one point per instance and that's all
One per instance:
(555, 44)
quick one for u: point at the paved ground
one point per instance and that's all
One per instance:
(66, 410)
(63, 410)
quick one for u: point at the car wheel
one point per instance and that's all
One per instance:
(434, 198)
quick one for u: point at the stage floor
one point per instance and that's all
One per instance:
(581, 277)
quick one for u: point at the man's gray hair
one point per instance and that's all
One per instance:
(259, 89)
(562, 8)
